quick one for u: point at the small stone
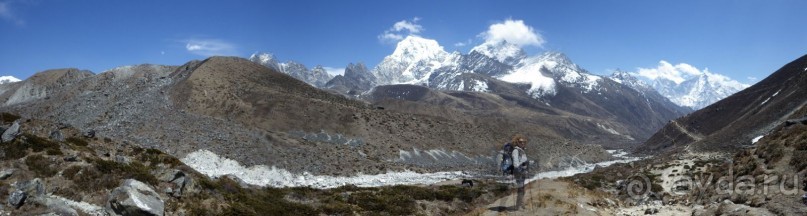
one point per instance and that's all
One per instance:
(71, 158)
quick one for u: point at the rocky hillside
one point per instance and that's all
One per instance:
(258, 117)
(49, 168)
(735, 121)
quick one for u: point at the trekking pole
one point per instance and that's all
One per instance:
(531, 196)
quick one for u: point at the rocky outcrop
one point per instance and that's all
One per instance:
(180, 182)
(135, 198)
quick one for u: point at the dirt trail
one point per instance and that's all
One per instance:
(548, 197)
(695, 136)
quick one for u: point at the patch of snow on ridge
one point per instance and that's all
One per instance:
(756, 139)
(607, 129)
(540, 85)
(8, 79)
(480, 86)
(208, 163)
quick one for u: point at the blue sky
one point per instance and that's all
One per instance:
(740, 39)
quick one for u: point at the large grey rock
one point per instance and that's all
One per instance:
(33, 188)
(17, 198)
(6, 173)
(11, 133)
(56, 135)
(135, 198)
(59, 207)
(177, 178)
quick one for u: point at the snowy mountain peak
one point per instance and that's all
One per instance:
(414, 48)
(413, 61)
(317, 76)
(689, 86)
(625, 77)
(262, 57)
(265, 59)
(8, 79)
(502, 51)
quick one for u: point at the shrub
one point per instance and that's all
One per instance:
(15, 150)
(38, 144)
(40, 165)
(135, 170)
(77, 141)
(71, 172)
(8, 117)
(155, 156)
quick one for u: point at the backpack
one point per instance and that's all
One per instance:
(507, 167)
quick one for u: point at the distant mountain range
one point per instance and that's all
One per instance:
(454, 108)
(421, 61)
(737, 120)
(694, 88)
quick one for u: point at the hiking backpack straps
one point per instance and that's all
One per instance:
(507, 159)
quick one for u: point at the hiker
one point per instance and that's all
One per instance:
(804, 197)
(520, 166)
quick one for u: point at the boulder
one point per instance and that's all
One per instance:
(135, 198)
(89, 134)
(123, 159)
(33, 188)
(6, 173)
(58, 207)
(56, 135)
(17, 198)
(178, 179)
(11, 133)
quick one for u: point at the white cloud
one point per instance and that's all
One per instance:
(334, 71)
(515, 32)
(6, 14)
(401, 29)
(752, 79)
(209, 47)
(676, 73)
(463, 43)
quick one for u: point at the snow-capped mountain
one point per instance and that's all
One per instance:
(502, 51)
(545, 71)
(696, 90)
(421, 61)
(8, 79)
(413, 61)
(629, 80)
(316, 76)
